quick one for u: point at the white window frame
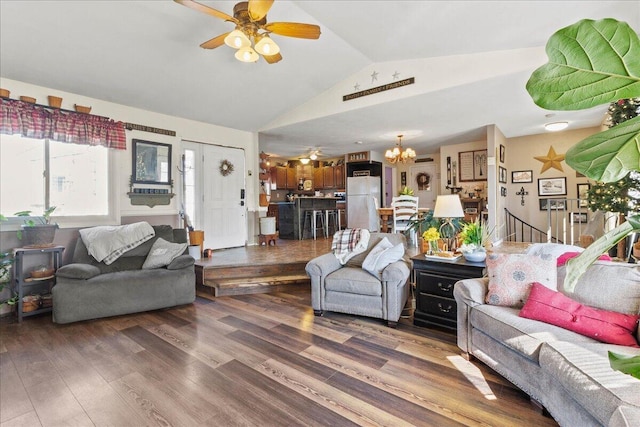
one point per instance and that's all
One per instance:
(14, 223)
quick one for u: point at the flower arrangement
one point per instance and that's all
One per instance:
(405, 191)
(431, 236)
(474, 237)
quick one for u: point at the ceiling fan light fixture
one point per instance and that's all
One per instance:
(305, 161)
(313, 156)
(237, 39)
(266, 46)
(247, 54)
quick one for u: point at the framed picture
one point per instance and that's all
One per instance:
(552, 186)
(583, 190)
(553, 204)
(518, 177)
(579, 217)
(472, 165)
(151, 162)
(502, 177)
(503, 191)
(502, 150)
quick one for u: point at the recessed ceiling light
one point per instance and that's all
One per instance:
(556, 126)
(359, 142)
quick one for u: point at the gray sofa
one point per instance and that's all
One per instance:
(87, 289)
(567, 373)
(350, 289)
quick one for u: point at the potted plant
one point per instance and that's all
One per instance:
(474, 237)
(37, 234)
(405, 191)
(593, 63)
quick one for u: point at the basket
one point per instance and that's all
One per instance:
(42, 272)
(55, 102)
(28, 99)
(46, 301)
(30, 303)
(5, 93)
(82, 109)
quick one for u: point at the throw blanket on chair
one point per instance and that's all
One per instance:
(349, 242)
(107, 243)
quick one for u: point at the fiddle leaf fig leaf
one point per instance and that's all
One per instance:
(578, 265)
(609, 155)
(590, 63)
(626, 364)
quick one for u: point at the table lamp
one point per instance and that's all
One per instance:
(448, 206)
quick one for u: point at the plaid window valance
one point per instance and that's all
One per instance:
(35, 121)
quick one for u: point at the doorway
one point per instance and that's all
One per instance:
(214, 196)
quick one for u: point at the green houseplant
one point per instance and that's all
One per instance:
(474, 237)
(593, 63)
(37, 234)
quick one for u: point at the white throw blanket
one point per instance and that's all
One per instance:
(349, 242)
(107, 243)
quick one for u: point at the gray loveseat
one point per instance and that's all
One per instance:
(87, 289)
(567, 373)
(350, 289)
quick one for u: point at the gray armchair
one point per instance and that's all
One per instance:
(350, 289)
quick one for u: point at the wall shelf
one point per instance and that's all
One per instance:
(151, 200)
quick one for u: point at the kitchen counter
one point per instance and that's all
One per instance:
(291, 214)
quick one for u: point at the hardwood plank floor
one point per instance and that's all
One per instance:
(250, 360)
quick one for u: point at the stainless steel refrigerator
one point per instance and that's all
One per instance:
(362, 193)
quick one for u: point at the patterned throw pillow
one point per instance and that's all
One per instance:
(511, 277)
(162, 253)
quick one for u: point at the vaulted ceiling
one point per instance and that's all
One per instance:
(470, 60)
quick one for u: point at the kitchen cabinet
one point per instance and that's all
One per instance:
(318, 178)
(328, 176)
(284, 177)
(338, 173)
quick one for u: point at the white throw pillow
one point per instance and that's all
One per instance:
(374, 263)
(162, 253)
(546, 250)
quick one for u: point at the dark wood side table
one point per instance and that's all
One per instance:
(435, 304)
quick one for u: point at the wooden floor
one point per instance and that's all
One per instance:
(251, 360)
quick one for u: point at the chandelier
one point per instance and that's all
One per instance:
(240, 39)
(398, 154)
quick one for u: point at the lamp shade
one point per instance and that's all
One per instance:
(266, 46)
(237, 39)
(448, 206)
(246, 54)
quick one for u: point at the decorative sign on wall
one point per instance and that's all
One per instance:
(378, 89)
(473, 165)
(143, 128)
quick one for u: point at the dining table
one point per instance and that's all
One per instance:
(387, 213)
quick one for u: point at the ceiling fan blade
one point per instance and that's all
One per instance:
(272, 59)
(214, 42)
(258, 9)
(294, 29)
(206, 9)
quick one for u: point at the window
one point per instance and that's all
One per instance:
(36, 174)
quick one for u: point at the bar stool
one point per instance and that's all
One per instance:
(316, 220)
(332, 214)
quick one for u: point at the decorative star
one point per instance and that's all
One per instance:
(374, 76)
(396, 75)
(551, 160)
(356, 87)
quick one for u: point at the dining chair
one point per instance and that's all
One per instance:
(404, 209)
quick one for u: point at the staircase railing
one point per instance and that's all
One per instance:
(566, 222)
(521, 231)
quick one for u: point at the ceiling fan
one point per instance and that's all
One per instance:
(250, 18)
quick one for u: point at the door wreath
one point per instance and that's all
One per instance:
(226, 167)
(423, 179)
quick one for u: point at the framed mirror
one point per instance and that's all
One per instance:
(151, 162)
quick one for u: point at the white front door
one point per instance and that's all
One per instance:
(219, 206)
(424, 178)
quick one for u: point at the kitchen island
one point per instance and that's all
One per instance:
(291, 215)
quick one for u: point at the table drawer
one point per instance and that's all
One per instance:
(436, 284)
(438, 306)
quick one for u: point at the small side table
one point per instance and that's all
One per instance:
(435, 304)
(23, 284)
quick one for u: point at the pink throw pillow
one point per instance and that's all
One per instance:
(557, 309)
(562, 259)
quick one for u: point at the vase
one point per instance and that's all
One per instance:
(475, 256)
(429, 247)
